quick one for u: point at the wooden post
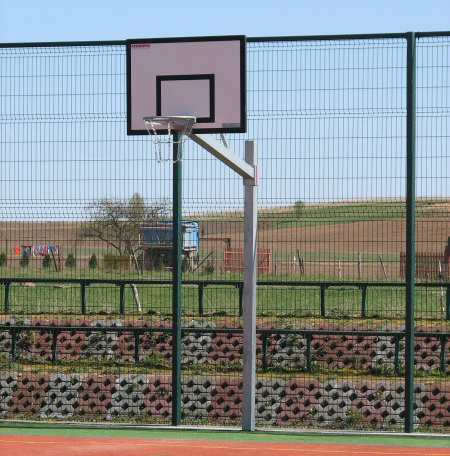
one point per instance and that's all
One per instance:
(136, 263)
(359, 265)
(136, 297)
(442, 290)
(301, 263)
(382, 265)
(54, 259)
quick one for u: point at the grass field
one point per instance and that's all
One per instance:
(340, 300)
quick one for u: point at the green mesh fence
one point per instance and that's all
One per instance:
(86, 298)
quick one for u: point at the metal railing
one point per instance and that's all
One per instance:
(237, 284)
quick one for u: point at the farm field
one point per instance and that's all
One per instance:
(339, 243)
(339, 228)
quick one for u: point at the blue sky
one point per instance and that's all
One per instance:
(58, 20)
(27, 21)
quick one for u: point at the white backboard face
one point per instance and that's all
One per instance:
(202, 77)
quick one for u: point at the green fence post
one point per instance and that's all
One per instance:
(447, 306)
(83, 297)
(410, 228)
(363, 301)
(7, 285)
(264, 350)
(397, 355)
(136, 347)
(241, 299)
(322, 300)
(122, 299)
(54, 344)
(200, 298)
(443, 353)
(13, 344)
(308, 351)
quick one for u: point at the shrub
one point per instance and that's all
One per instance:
(70, 261)
(154, 360)
(160, 266)
(93, 263)
(24, 260)
(185, 264)
(208, 268)
(300, 208)
(3, 259)
(47, 261)
(116, 261)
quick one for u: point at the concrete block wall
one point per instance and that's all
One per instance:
(216, 347)
(298, 402)
(302, 401)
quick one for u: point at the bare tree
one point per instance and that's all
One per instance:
(116, 222)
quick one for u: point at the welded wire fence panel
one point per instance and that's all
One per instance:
(334, 113)
(433, 223)
(86, 260)
(74, 192)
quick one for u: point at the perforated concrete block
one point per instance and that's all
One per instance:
(8, 384)
(333, 402)
(435, 406)
(226, 403)
(95, 396)
(369, 402)
(299, 402)
(157, 402)
(30, 392)
(61, 397)
(394, 415)
(289, 350)
(269, 393)
(383, 353)
(24, 339)
(196, 346)
(127, 396)
(101, 345)
(196, 395)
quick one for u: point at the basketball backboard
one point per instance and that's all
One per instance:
(202, 77)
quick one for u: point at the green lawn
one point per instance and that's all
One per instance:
(324, 214)
(382, 302)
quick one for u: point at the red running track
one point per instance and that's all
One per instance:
(15, 445)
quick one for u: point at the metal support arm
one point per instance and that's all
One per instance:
(225, 155)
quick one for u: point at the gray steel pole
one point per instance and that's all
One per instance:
(176, 282)
(249, 314)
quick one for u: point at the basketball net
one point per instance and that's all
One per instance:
(162, 129)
